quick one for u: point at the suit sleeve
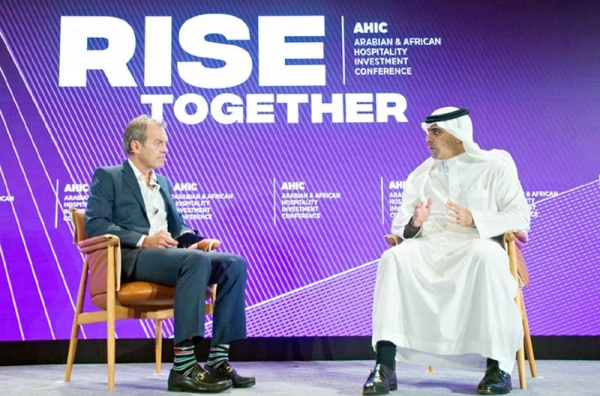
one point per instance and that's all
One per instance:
(99, 214)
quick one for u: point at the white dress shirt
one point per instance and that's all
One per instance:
(153, 201)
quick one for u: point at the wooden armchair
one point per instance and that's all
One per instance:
(116, 300)
(512, 242)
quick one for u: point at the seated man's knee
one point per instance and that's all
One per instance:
(236, 265)
(196, 261)
(387, 257)
(398, 252)
(488, 251)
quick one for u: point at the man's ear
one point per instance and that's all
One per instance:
(135, 146)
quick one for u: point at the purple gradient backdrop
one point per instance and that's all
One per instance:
(528, 70)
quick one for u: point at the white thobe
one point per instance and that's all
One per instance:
(446, 297)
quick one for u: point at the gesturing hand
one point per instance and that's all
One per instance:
(459, 215)
(160, 240)
(421, 212)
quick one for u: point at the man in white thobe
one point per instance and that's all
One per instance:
(445, 295)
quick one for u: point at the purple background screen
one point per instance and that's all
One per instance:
(529, 71)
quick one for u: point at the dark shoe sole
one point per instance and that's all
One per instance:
(240, 386)
(174, 388)
(376, 392)
(493, 392)
(245, 385)
(373, 392)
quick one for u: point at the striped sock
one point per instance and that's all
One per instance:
(185, 359)
(218, 355)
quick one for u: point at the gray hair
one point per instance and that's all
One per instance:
(136, 130)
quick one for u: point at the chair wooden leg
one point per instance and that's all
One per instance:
(72, 350)
(110, 351)
(158, 345)
(521, 352)
(528, 344)
(110, 317)
(75, 328)
(521, 367)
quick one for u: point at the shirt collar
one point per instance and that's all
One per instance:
(140, 176)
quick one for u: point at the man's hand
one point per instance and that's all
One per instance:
(160, 240)
(421, 212)
(459, 215)
(206, 245)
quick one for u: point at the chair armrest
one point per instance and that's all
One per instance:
(518, 239)
(99, 242)
(393, 240)
(103, 257)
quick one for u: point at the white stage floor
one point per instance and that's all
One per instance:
(316, 378)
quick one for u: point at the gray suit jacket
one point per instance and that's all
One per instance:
(116, 206)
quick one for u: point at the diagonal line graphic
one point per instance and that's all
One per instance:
(37, 106)
(311, 285)
(565, 192)
(52, 186)
(330, 279)
(343, 55)
(35, 278)
(12, 294)
(300, 275)
(307, 287)
(33, 196)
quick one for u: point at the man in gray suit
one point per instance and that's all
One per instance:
(134, 203)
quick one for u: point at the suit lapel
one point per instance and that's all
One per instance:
(164, 189)
(172, 218)
(131, 181)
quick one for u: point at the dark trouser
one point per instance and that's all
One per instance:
(191, 271)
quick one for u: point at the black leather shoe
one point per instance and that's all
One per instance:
(381, 381)
(198, 380)
(495, 382)
(225, 371)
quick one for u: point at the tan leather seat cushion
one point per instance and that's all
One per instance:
(140, 294)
